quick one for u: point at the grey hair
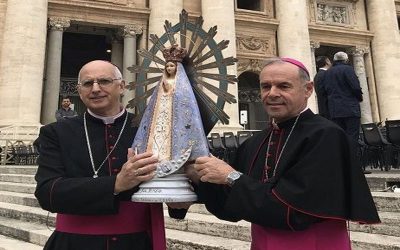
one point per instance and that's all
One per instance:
(303, 76)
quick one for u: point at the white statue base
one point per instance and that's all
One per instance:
(171, 188)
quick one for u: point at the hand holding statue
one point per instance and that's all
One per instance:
(137, 169)
(211, 169)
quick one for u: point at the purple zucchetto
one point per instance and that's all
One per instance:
(296, 63)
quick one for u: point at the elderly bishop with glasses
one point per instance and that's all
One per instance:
(88, 172)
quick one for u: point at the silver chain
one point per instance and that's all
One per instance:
(95, 171)
(283, 148)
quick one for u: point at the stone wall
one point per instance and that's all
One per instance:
(2, 18)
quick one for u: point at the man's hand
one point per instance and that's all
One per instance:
(192, 173)
(212, 169)
(137, 169)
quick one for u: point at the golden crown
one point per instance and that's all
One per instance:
(174, 53)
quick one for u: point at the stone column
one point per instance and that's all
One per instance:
(53, 69)
(161, 11)
(386, 55)
(293, 35)
(359, 67)
(222, 14)
(117, 51)
(22, 62)
(130, 33)
(313, 71)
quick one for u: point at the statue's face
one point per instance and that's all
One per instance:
(170, 68)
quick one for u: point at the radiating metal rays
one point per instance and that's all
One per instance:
(195, 33)
(221, 46)
(224, 62)
(140, 68)
(145, 83)
(135, 101)
(169, 32)
(150, 56)
(210, 36)
(204, 54)
(210, 105)
(227, 97)
(156, 41)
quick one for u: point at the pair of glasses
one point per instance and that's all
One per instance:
(102, 82)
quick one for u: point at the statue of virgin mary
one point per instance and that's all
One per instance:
(171, 126)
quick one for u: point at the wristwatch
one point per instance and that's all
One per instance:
(232, 177)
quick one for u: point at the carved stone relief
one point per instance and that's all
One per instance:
(58, 23)
(254, 45)
(314, 45)
(339, 12)
(119, 2)
(332, 14)
(132, 30)
(358, 51)
(251, 95)
(358, 57)
(253, 65)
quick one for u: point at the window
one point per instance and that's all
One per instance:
(249, 4)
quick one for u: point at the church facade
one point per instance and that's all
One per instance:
(43, 43)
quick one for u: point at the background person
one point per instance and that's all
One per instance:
(296, 182)
(344, 95)
(65, 111)
(323, 64)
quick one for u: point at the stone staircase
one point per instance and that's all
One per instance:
(24, 225)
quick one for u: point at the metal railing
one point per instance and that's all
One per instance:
(16, 137)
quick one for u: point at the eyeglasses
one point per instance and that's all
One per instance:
(102, 82)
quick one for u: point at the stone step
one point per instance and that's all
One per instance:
(18, 198)
(18, 178)
(209, 224)
(34, 233)
(377, 180)
(389, 226)
(8, 243)
(38, 234)
(17, 169)
(381, 180)
(387, 201)
(17, 187)
(211, 230)
(200, 223)
(367, 241)
(181, 240)
(27, 213)
(197, 217)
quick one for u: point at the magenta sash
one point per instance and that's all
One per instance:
(132, 217)
(326, 235)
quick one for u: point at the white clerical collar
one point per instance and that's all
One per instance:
(275, 125)
(107, 119)
(323, 69)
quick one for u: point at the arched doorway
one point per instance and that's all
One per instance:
(251, 112)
